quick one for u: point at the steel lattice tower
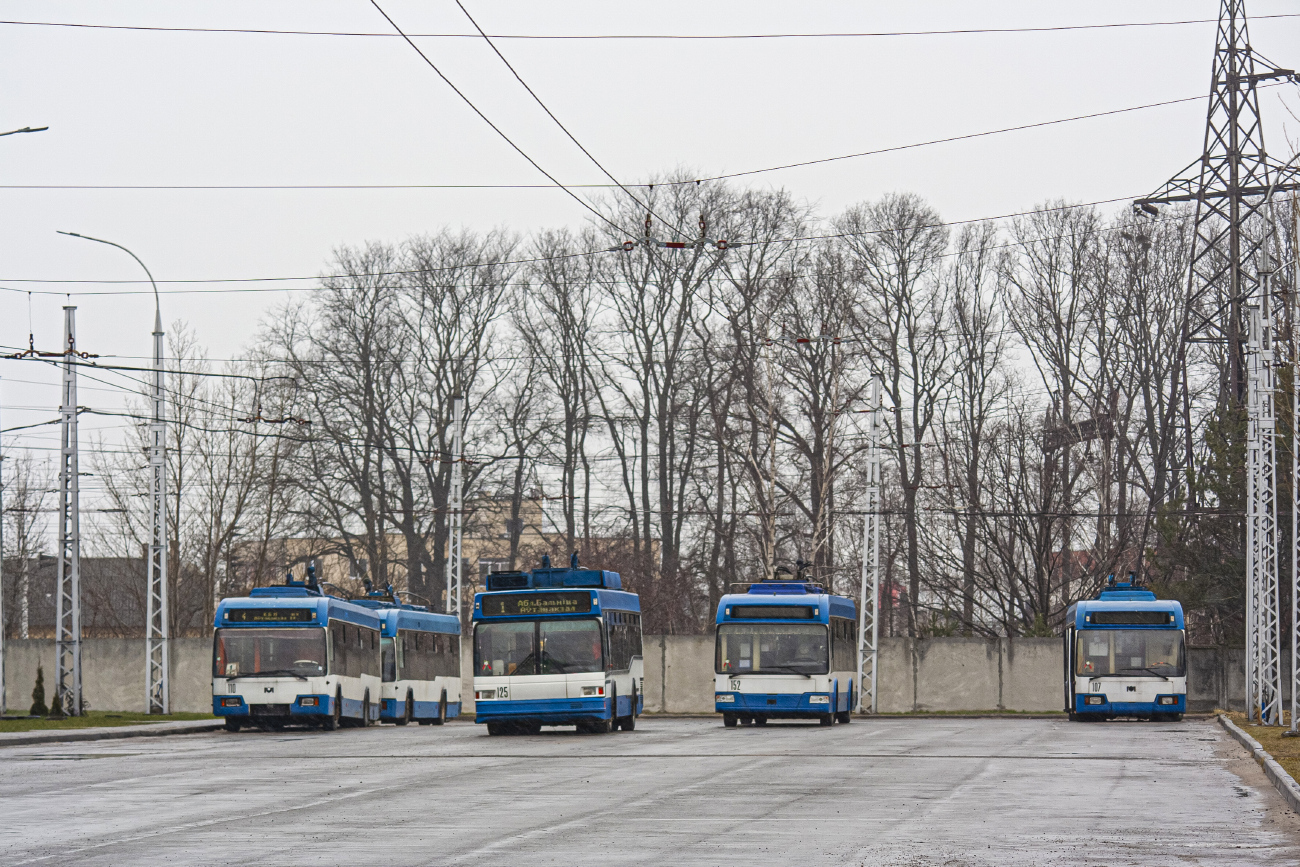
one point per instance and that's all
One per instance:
(456, 507)
(67, 679)
(869, 618)
(157, 653)
(1232, 183)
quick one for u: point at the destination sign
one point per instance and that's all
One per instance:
(270, 615)
(1132, 618)
(536, 604)
(774, 612)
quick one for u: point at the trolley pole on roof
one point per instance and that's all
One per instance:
(456, 506)
(869, 618)
(67, 679)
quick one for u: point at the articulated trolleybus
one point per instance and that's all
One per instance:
(556, 647)
(421, 661)
(1125, 655)
(292, 655)
(785, 650)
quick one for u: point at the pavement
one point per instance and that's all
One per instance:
(102, 733)
(892, 792)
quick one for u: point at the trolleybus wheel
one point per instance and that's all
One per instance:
(331, 721)
(746, 720)
(827, 719)
(365, 711)
(495, 729)
(760, 720)
(729, 720)
(233, 725)
(629, 721)
(442, 712)
(409, 713)
(844, 717)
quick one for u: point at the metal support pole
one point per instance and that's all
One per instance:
(2, 576)
(1262, 587)
(67, 678)
(869, 618)
(157, 652)
(456, 506)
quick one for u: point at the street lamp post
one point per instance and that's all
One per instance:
(157, 631)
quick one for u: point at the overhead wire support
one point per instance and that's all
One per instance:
(869, 615)
(1232, 183)
(456, 507)
(67, 614)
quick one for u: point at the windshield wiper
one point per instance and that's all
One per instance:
(275, 672)
(783, 668)
(1150, 669)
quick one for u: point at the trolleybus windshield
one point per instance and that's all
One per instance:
(772, 648)
(1129, 653)
(518, 648)
(295, 652)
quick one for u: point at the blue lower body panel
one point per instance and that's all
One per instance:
(393, 710)
(547, 711)
(782, 705)
(1128, 708)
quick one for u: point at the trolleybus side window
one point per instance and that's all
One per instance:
(843, 649)
(623, 629)
(1129, 652)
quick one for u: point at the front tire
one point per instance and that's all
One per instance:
(442, 712)
(844, 717)
(233, 725)
(409, 713)
(335, 718)
(827, 719)
(496, 729)
(729, 720)
(629, 721)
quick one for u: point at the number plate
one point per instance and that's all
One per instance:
(735, 686)
(503, 692)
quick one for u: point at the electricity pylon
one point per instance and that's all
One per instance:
(1232, 182)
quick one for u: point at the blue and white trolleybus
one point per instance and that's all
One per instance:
(1125, 655)
(421, 661)
(786, 649)
(292, 655)
(557, 647)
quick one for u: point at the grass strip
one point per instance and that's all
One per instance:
(95, 719)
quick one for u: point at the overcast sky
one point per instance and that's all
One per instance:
(171, 108)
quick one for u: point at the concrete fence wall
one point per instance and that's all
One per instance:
(940, 674)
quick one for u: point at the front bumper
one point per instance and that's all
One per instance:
(546, 711)
(1128, 708)
(776, 705)
(324, 707)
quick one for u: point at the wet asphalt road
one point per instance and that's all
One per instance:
(913, 792)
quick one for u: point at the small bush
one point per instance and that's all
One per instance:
(38, 695)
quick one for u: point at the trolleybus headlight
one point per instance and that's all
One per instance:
(1168, 699)
(231, 702)
(1095, 699)
(819, 699)
(724, 697)
(485, 694)
(309, 702)
(593, 690)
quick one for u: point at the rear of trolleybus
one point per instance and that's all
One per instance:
(291, 656)
(421, 666)
(1125, 656)
(557, 647)
(785, 650)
